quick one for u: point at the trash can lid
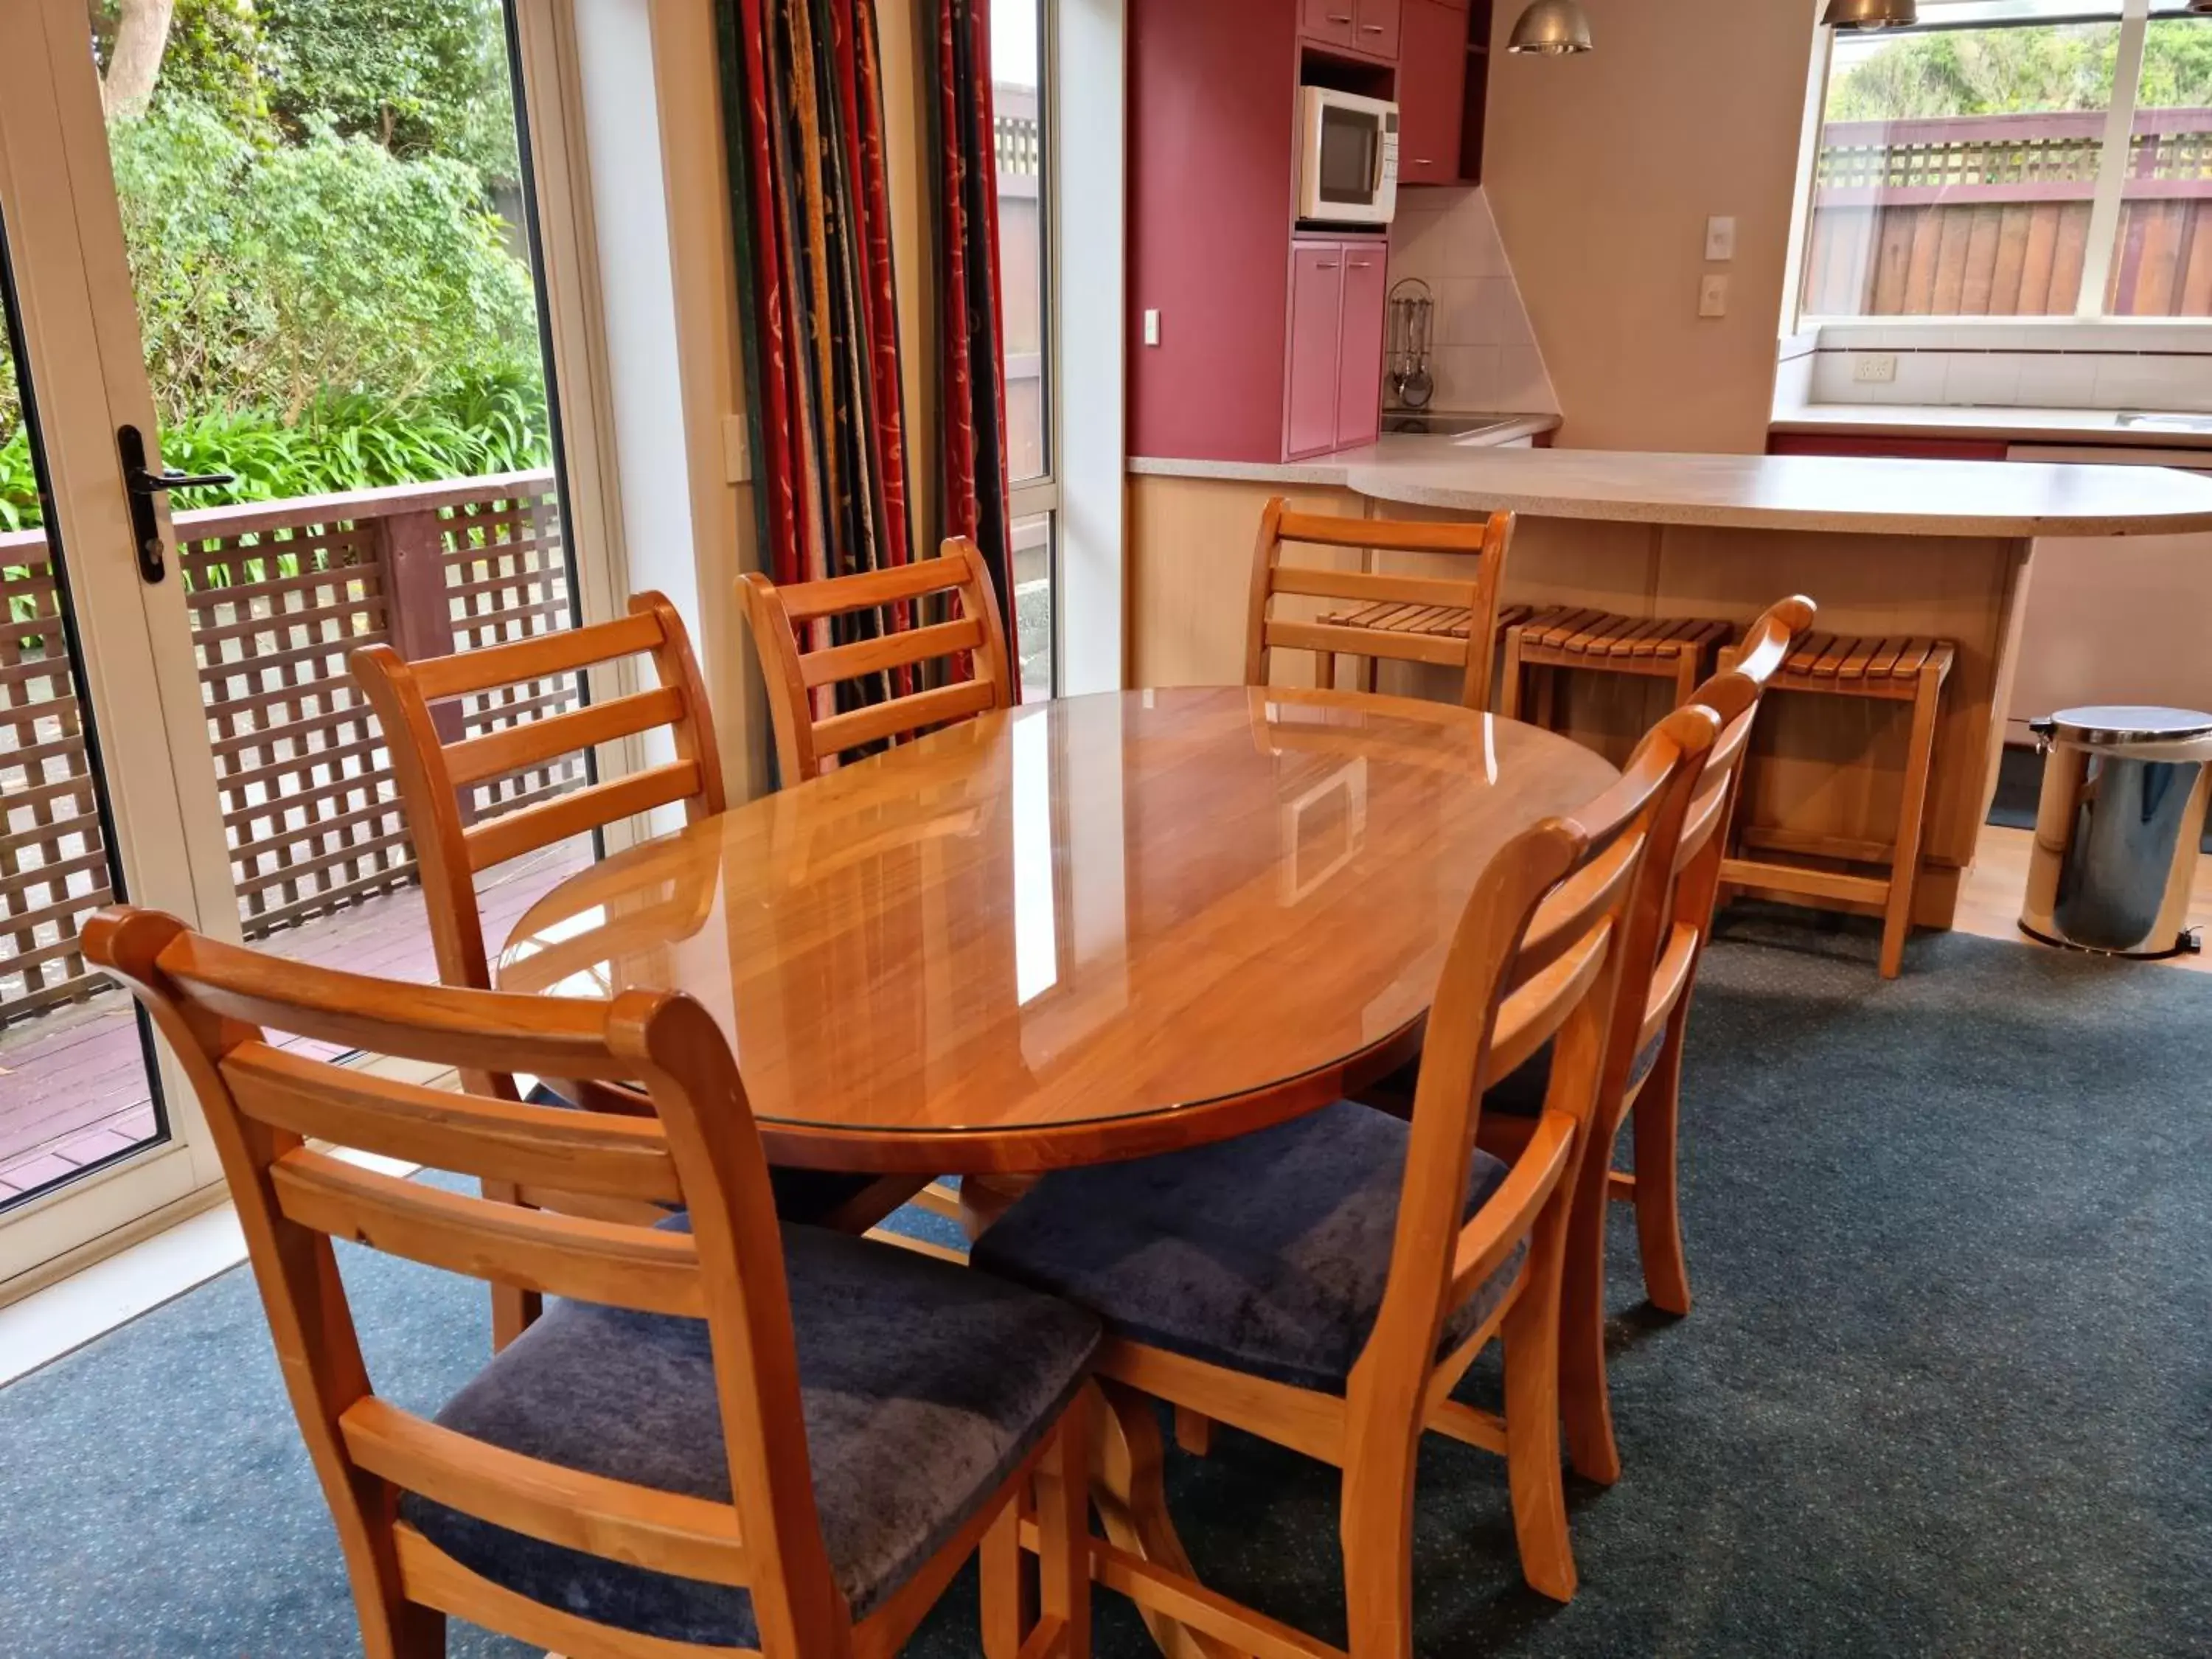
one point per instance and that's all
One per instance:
(2110, 723)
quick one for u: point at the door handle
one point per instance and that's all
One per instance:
(1372, 28)
(141, 486)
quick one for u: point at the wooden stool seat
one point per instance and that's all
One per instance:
(1897, 670)
(1453, 622)
(1563, 637)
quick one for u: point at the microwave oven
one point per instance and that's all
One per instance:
(1347, 158)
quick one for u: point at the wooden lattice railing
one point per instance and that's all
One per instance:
(279, 593)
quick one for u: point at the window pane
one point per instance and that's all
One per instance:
(1033, 585)
(1956, 170)
(1015, 64)
(2163, 265)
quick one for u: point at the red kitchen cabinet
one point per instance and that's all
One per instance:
(1332, 381)
(1360, 344)
(1332, 22)
(1309, 402)
(1378, 27)
(1432, 71)
(1367, 27)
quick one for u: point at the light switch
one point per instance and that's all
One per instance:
(1712, 297)
(1720, 238)
(1151, 328)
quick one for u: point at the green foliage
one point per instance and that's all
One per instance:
(486, 424)
(267, 278)
(2006, 72)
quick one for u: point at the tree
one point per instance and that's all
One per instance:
(2006, 72)
(134, 63)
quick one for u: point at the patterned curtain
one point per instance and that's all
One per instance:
(802, 84)
(971, 380)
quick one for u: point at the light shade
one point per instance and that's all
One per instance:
(1871, 15)
(1553, 28)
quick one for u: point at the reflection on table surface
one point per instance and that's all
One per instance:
(1075, 911)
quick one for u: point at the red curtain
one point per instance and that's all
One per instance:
(971, 382)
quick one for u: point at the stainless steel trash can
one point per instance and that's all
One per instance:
(2117, 829)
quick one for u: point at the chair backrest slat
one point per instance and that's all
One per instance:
(539, 658)
(514, 748)
(511, 834)
(218, 1005)
(1484, 544)
(811, 733)
(914, 645)
(609, 1262)
(492, 1139)
(692, 1536)
(433, 773)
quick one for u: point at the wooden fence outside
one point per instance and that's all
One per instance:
(279, 593)
(1989, 215)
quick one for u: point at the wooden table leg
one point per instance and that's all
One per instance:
(1126, 1456)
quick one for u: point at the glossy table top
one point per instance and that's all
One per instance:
(1077, 923)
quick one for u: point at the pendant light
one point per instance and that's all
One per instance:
(1866, 16)
(1554, 28)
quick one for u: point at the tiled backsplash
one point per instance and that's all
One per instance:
(1484, 355)
(2027, 365)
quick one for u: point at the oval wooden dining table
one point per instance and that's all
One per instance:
(1073, 932)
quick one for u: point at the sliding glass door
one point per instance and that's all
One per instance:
(293, 255)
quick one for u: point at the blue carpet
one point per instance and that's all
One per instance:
(1948, 1389)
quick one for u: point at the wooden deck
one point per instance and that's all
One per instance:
(73, 1086)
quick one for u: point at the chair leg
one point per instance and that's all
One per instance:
(1063, 1500)
(1686, 676)
(1376, 1528)
(1006, 1615)
(1532, 1420)
(1509, 686)
(1547, 695)
(1585, 1402)
(403, 1629)
(513, 1310)
(1374, 673)
(1904, 870)
(1658, 1195)
(1194, 1432)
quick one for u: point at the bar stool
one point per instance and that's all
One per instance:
(1894, 670)
(1679, 648)
(1452, 621)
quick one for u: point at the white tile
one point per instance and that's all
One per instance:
(1919, 378)
(1503, 322)
(1792, 383)
(1523, 387)
(1465, 377)
(2057, 379)
(1472, 248)
(2152, 383)
(1417, 248)
(1981, 379)
(1459, 313)
(1832, 378)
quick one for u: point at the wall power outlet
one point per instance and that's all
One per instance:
(1875, 368)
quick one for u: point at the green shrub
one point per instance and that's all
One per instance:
(267, 278)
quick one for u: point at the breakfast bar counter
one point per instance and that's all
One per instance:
(1932, 550)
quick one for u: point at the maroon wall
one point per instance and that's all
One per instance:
(1212, 122)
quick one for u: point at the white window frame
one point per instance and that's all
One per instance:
(2135, 17)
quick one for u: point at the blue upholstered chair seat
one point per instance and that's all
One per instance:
(923, 1384)
(1521, 1093)
(1266, 1253)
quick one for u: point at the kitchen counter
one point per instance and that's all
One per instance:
(2117, 427)
(1392, 448)
(1890, 549)
(1797, 493)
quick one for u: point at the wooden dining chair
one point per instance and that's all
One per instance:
(439, 767)
(1326, 1283)
(1449, 621)
(730, 1437)
(1671, 918)
(875, 638)
(434, 767)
